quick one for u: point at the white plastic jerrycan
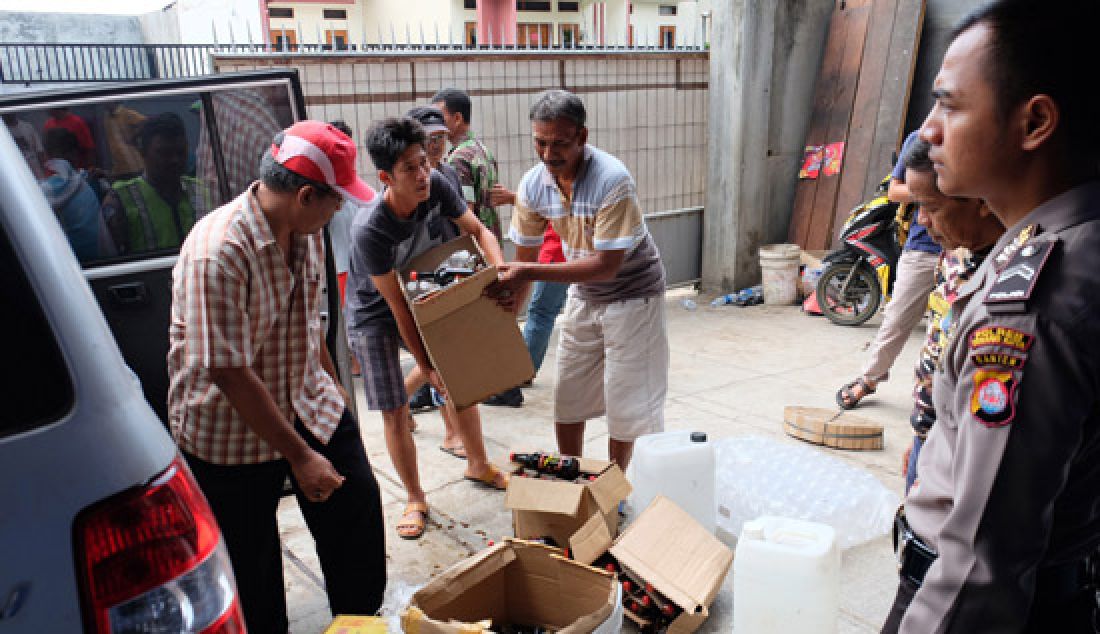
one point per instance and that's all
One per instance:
(786, 577)
(678, 465)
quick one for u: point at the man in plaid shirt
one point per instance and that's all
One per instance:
(253, 396)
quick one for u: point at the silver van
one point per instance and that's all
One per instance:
(102, 527)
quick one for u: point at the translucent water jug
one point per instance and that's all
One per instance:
(678, 465)
(786, 577)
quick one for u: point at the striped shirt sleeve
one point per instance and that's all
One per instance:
(619, 218)
(528, 225)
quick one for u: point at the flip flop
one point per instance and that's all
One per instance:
(846, 396)
(413, 529)
(491, 478)
(458, 452)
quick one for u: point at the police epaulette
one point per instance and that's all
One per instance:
(1015, 282)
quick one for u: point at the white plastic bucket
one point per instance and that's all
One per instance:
(779, 273)
(786, 577)
(678, 465)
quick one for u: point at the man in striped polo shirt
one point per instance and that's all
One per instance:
(613, 350)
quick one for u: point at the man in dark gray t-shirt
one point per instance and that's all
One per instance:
(398, 226)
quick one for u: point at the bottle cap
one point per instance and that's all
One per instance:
(698, 436)
(752, 530)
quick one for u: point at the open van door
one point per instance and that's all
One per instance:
(125, 141)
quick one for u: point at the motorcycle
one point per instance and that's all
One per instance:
(858, 276)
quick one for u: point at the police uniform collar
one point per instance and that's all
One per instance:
(1068, 209)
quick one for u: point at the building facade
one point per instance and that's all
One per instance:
(348, 24)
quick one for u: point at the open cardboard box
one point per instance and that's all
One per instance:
(474, 344)
(584, 516)
(516, 583)
(666, 547)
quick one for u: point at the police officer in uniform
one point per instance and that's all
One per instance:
(998, 534)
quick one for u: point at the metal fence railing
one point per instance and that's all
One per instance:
(37, 63)
(47, 63)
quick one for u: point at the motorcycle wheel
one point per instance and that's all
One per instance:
(855, 304)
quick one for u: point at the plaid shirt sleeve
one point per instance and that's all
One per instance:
(216, 303)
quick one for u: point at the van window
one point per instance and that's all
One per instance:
(35, 382)
(246, 120)
(129, 178)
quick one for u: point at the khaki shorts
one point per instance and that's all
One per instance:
(613, 360)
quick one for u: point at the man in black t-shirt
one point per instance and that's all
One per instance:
(385, 236)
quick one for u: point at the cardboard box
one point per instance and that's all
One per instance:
(517, 583)
(583, 516)
(666, 547)
(475, 345)
(355, 624)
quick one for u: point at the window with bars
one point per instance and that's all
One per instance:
(533, 5)
(335, 14)
(666, 9)
(280, 12)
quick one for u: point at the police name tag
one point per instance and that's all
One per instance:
(1016, 281)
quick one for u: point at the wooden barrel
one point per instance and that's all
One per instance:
(824, 427)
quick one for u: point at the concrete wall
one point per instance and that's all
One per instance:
(940, 17)
(201, 21)
(68, 28)
(161, 27)
(765, 57)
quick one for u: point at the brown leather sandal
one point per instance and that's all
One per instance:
(493, 477)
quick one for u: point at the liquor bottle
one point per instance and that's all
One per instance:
(443, 276)
(564, 467)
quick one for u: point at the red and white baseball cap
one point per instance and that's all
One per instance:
(320, 152)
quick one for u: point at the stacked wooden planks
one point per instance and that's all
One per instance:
(839, 430)
(861, 99)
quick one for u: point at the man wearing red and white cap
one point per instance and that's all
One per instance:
(253, 395)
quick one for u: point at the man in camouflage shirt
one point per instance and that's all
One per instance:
(967, 230)
(476, 165)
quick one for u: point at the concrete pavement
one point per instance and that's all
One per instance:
(732, 372)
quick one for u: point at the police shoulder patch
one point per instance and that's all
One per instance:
(1001, 337)
(1016, 281)
(992, 401)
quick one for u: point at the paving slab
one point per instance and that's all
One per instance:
(732, 372)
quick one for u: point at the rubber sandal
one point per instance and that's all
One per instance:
(458, 452)
(417, 527)
(846, 396)
(491, 478)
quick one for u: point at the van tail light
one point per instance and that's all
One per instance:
(151, 559)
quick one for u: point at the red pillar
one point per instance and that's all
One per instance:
(499, 18)
(265, 25)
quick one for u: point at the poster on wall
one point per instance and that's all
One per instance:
(833, 157)
(811, 162)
